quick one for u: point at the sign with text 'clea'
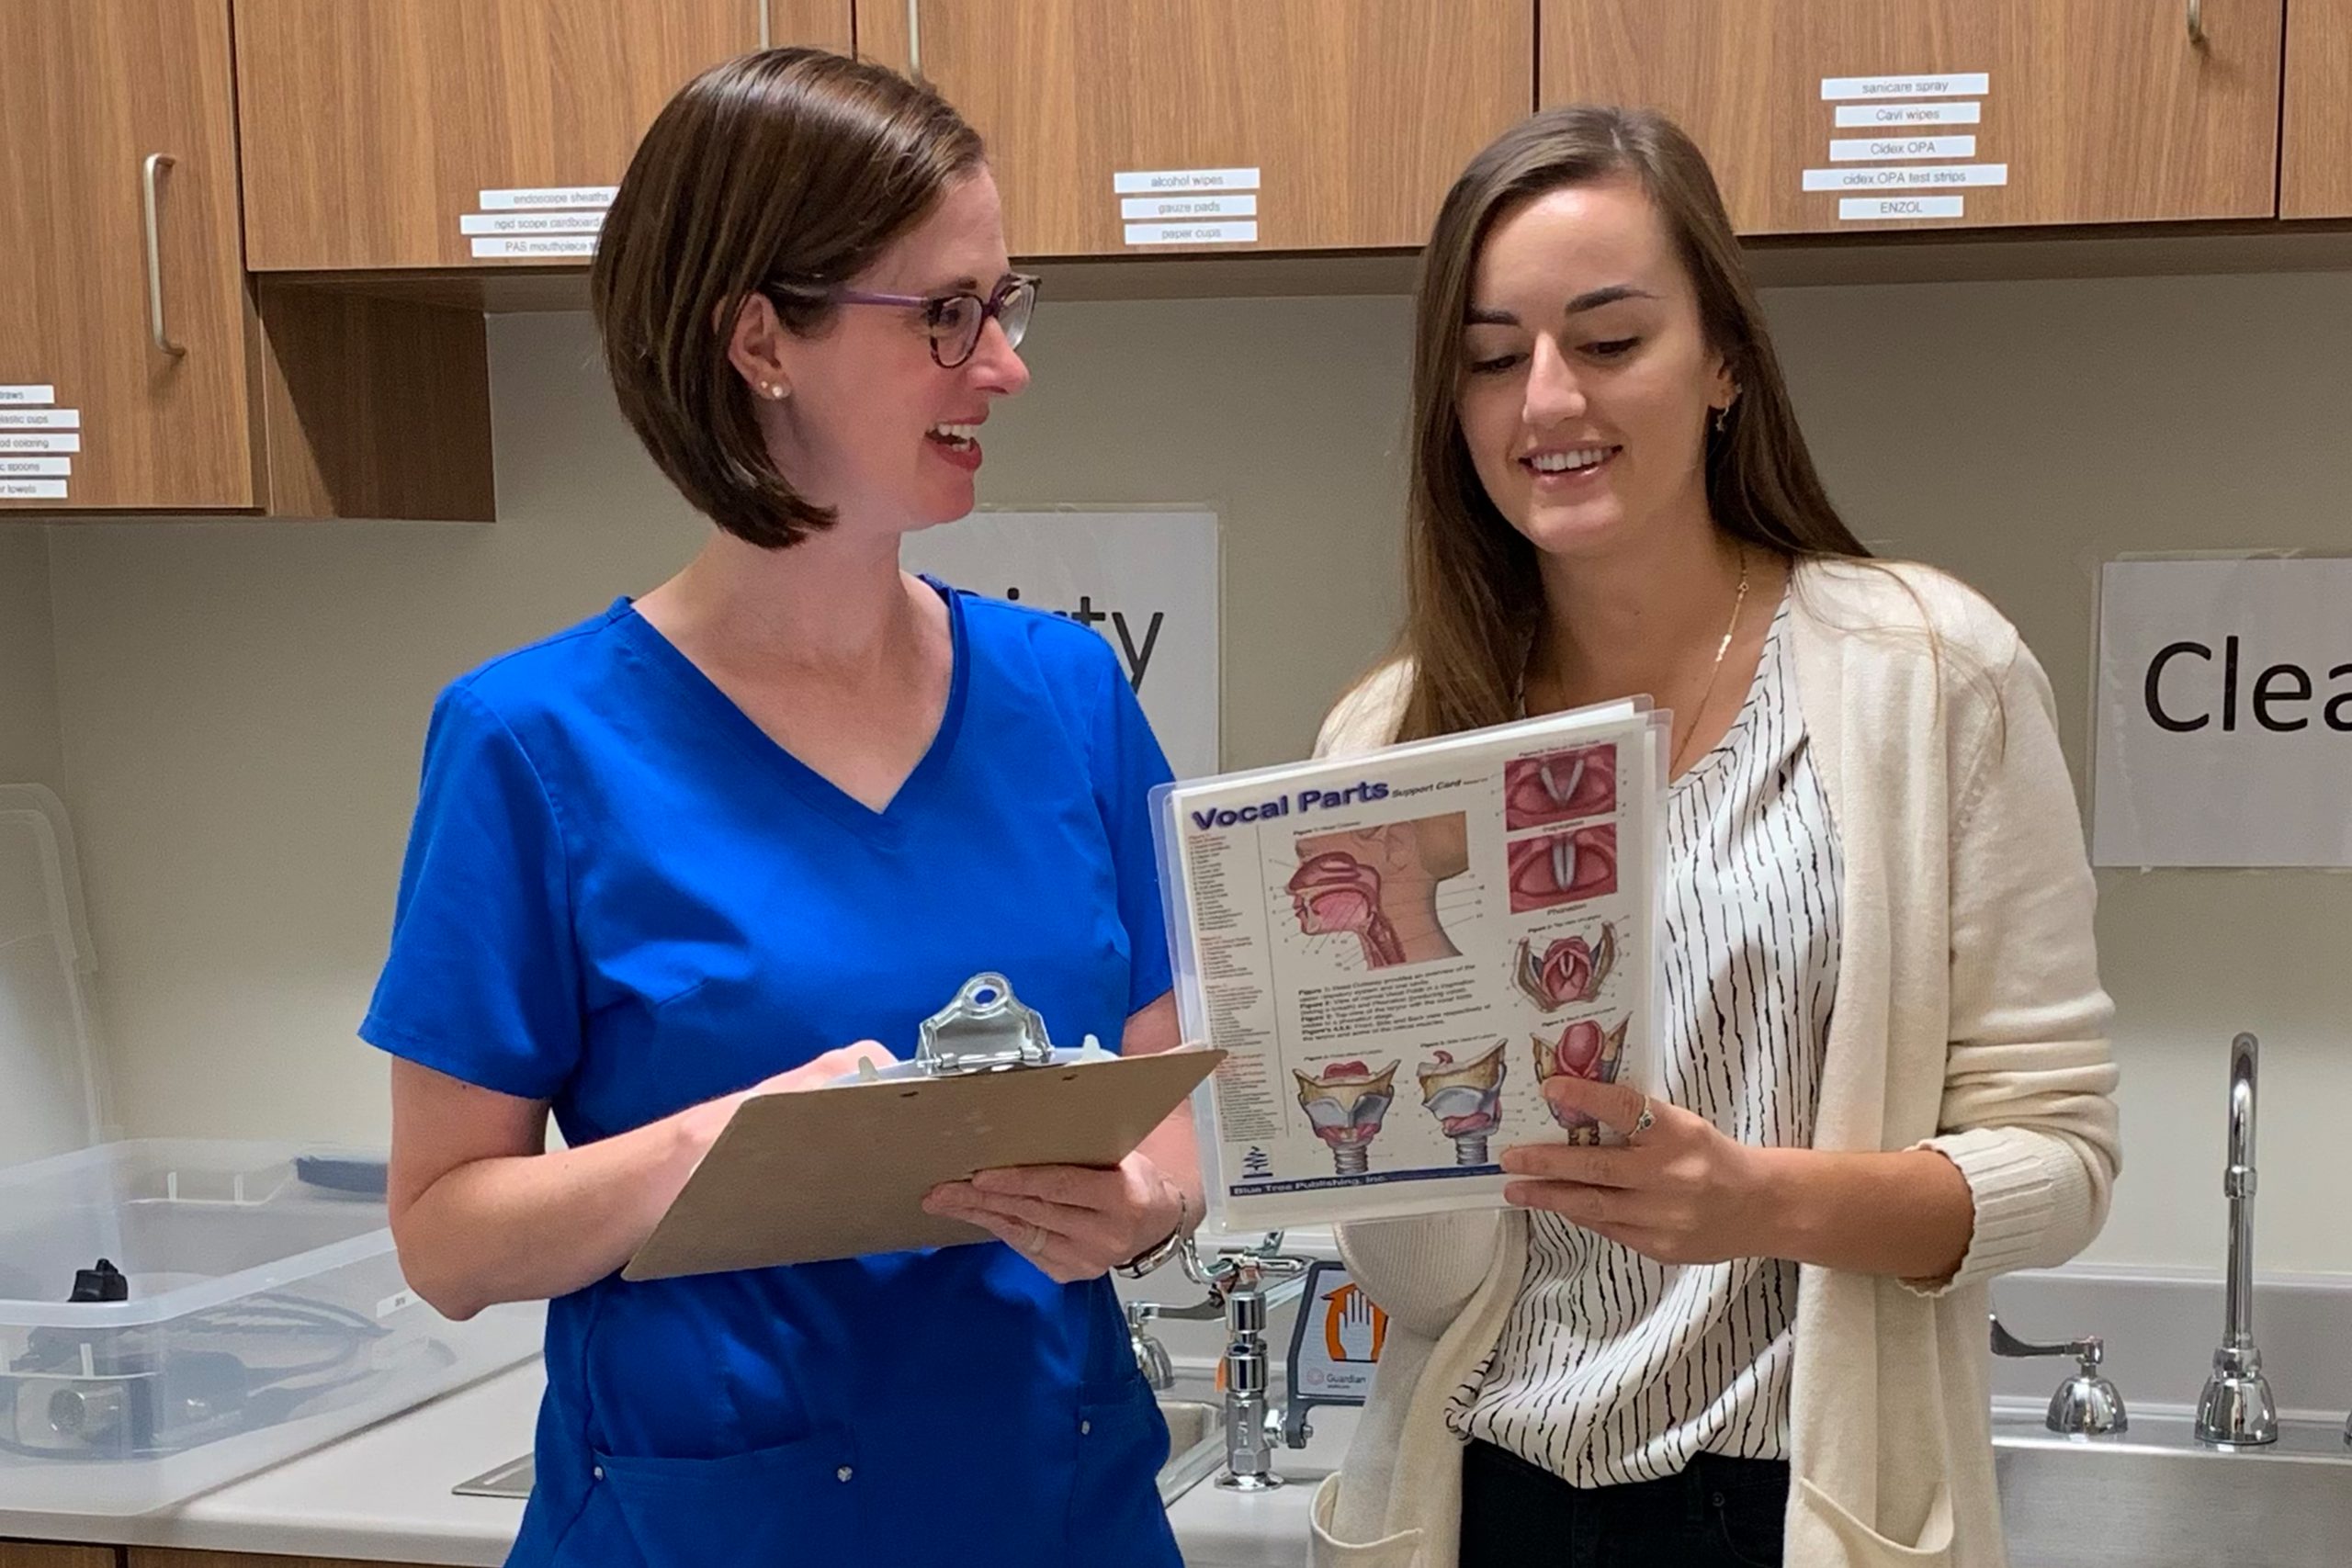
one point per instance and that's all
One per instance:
(2224, 721)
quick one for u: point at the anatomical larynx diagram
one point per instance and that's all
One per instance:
(1560, 786)
(1345, 1103)
(1380, 885)
(1466, 1098)
(1376, 942)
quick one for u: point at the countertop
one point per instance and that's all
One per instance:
(383, 1496)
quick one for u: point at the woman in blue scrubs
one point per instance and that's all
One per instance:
(725, 838)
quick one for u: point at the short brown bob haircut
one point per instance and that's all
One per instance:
(785, 173)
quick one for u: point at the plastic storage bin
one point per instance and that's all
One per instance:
(263, 1314)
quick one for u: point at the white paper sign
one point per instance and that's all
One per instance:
(39, 443)
(535, 246)
(40, 419)
(1243, 233)
(1950, 85)
(1900, 116)
(539, 197)
(2224, 714)
(23, 395)
(32, 490)
(1146, 581)
(1161, 182)
(1140, 207)
(1893, 209)
(530, 223)
(1881, 149)
(1908, 179)
(35, 467)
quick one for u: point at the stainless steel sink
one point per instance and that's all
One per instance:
(2152, 1497)
(1195, 1449)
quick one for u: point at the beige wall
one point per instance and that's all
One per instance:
(242, 702)
(32, 748)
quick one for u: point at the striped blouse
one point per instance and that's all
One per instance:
(1613, 1367)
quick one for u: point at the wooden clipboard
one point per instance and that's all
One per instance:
(842, 1171)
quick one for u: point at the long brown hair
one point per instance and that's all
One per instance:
(1472, 595)
(784, 173)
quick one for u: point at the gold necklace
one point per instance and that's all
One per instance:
(1674, 767)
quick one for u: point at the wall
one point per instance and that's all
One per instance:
(244, 702)
(31, 745)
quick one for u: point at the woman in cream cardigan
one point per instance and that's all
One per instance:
(1756, 1332)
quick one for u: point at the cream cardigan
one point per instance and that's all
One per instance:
(1968, 1018)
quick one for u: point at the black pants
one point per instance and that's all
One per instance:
(1720, 1513)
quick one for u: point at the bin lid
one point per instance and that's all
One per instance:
(51, 1098)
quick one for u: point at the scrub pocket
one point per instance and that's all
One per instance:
(1115, 1515)
(798, 1503)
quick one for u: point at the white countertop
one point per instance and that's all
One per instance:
(383, 1496)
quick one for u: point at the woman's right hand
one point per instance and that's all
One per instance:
(708, 1119)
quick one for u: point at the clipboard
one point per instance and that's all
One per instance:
(841, 1172)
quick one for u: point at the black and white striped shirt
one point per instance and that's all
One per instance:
(1615, 1368)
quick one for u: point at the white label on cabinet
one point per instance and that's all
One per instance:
(19, 397)
(1192, 233)
(544, 245)
(1951, 84)
(1876, 149)
(1164, 180)
(536, 198)
(530, 223)
(32, 490)
(399, 1300)
(1188, 207)
(40, 419)
(1856, 117)
(1889, 209)
(39, 443)
(35, 467)
(1907, 179)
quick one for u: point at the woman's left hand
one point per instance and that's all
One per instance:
(1679, 1191)
(1072, 1221)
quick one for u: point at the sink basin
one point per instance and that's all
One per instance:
(1195, 1449)
(2154, 1497)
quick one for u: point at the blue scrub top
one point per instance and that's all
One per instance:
(620, 895)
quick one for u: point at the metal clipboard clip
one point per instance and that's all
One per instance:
(985, 1029)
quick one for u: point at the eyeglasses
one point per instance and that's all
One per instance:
(956, 321)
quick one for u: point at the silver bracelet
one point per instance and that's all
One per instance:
(1159, 1252)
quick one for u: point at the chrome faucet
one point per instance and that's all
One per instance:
(1243, 1285)
(2236, 1410)
(2086, 1405)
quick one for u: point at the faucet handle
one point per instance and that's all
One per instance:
(2086, 1403)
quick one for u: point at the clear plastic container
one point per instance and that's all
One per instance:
(263, 1314)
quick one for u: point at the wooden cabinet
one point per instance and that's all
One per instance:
(126, 297)
(1353, 115)
(2315, 148)
(31, 1554)
(159, 1557)
(2087, 111)
(371, 128)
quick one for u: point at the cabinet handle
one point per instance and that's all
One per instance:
(156, 163)
(762, 8)
(2197, 22)
(914, 38)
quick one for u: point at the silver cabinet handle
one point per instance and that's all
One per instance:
(762, 8)
(914, 38)
(2197, 22)
(156, 163)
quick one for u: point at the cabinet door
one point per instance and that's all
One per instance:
(373, 128)
(28, 1554)
(1333, 123)
(1824, 116)
(118, 237)
(2315, 170)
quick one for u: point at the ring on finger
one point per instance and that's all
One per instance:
(1644, 1121)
